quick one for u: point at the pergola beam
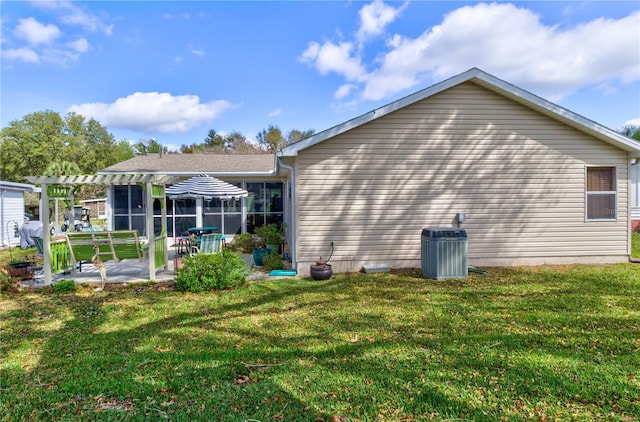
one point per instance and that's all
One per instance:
(103, 179)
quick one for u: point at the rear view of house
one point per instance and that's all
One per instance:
(538, 183)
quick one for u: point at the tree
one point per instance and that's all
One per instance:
(232, 143)
(631, 131)
(295, 135)
(192, 149)
(271, 139)
(124, 151)
(97, 146)
(62, 168)
(151, 146)
(236, 143)
(215, 140)
(28, 145)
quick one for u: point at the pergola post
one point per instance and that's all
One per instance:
(163, 201)
(150, 232)
(46, 238)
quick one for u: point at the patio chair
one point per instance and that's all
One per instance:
(209, 243)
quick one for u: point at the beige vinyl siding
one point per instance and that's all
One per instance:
(518, 175)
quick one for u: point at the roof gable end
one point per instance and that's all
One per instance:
(492, 83)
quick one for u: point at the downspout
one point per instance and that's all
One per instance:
(293, 211)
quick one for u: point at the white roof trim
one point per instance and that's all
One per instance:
(17, 186)
(490, 82)
(179, 174)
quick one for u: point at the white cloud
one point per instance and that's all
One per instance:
(153, 112)
(275, 113)
(330, 57)
(185, 16)
(72, 14)
(21, 54)
(34, 32)
(195, 52)
(343, 91)
(508, 41)
(37, 42)
(633, 122)
(375, 17)
(81, 45)
(513, 44)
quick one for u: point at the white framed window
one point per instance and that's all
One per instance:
(264, 204)
(129, 208)
(601, 194)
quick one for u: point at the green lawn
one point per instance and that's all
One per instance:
(547, 343)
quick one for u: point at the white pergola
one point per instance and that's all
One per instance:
(61, 187)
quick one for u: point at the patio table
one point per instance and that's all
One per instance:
(199, 231)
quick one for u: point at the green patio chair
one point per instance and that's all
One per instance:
(209, 243)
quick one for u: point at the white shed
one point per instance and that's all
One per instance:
(12, 211)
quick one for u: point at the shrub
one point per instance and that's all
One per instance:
(273, 234)
(64, 286)
(217, 271)
(272, 262)
(244, 243)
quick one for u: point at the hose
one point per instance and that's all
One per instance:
(331, 254)
(477, 271)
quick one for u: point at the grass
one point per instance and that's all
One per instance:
(544, 343)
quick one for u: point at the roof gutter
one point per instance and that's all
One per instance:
(194, 173)
(293, 209)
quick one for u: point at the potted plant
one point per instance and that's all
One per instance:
(272, 261)
(273, 236)
(19, 269)
(259, 251)
(245, 244)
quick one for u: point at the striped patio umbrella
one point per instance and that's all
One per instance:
(207, 187)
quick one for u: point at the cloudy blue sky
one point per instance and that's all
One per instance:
(173, 70)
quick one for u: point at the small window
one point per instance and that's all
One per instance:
(601, 193)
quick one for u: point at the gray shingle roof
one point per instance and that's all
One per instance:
(193, 164)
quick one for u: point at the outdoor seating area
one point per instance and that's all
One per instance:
(126, 271)
(200, 240)
(71, 251)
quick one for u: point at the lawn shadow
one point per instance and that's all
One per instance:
(347, 348)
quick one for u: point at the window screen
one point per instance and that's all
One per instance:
(601, 193)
